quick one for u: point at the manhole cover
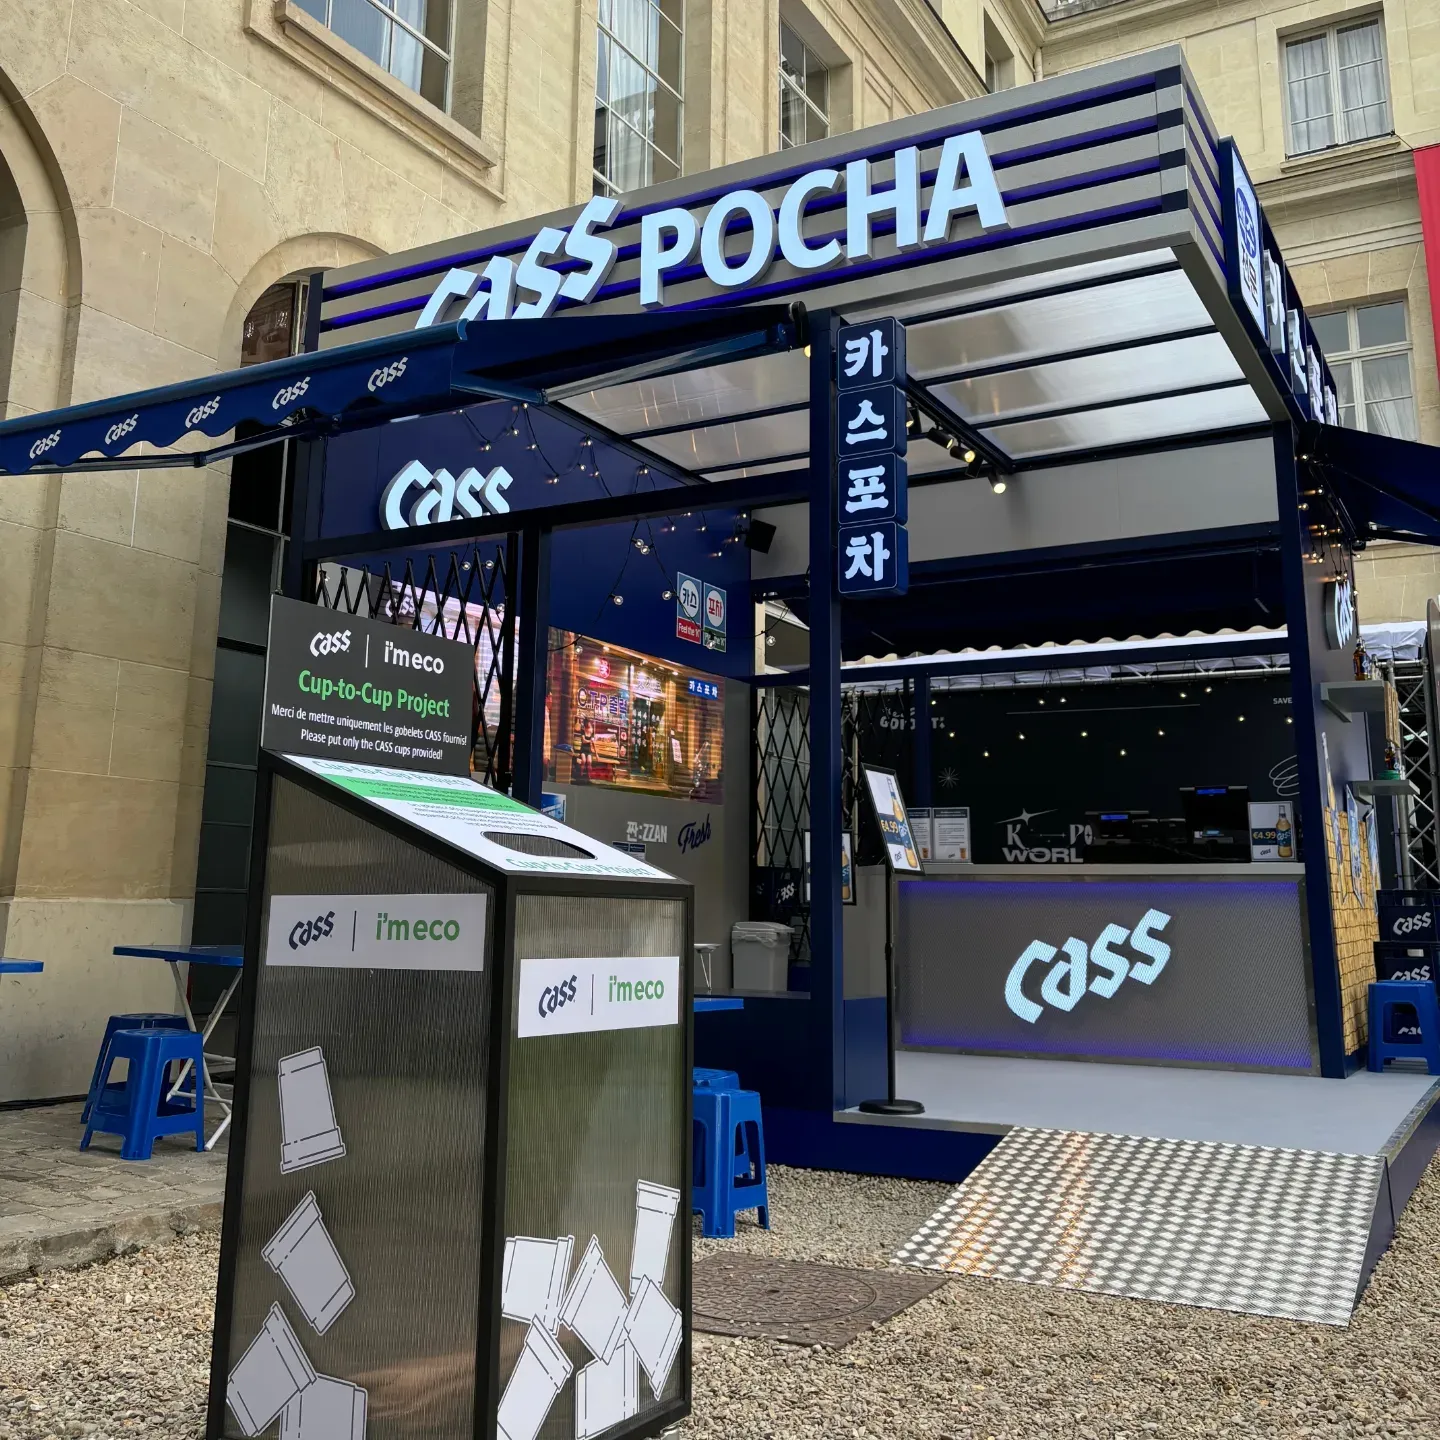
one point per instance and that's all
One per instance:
(806, 1304)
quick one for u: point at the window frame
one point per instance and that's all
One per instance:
(601, 183)
(1330, 34)
(786, 83)
(388, 15)
(1354, 355)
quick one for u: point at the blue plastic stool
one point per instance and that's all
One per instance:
(145, 1020)
(715, 1079)
(729, 1160)
(138, 1111)
(1385, 996)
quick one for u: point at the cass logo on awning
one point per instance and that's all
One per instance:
(670, 238)
(419, 496)
(1069, 980)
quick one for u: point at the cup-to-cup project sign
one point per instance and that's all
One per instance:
(347, 687)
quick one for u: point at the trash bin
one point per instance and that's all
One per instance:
(457, 1200)
(759, 955)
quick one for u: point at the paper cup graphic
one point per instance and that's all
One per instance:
(269, 1375)
(304, 1256)
(653, 1325)
(533, 1282)
(655, 1207)
(329, 1409)
(538, 1377)
(606, 1394)
(308, 1132)
(594, 1305)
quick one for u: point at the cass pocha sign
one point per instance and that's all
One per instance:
(345, 687)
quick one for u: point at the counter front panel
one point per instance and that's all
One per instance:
(1194, 968)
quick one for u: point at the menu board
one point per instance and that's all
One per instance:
(901, 853)
(477, 820)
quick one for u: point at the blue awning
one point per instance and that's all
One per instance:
(412, 373)
(1390, 488)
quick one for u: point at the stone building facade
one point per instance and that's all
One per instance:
(170, 171)
(1328, 102)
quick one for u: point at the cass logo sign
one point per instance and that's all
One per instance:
(303, 932)
(331, 642)
(377, 932)
(121, 429)
(670, 239)
(289, 394)
(573, 997)
(386, 374)
(202, 412)
(1098, 969)
(418, 496)
(1340, 613)
(44, 443)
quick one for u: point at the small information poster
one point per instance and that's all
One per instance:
(345, 687)
(951, 834)
(922, 829)
(1272, 830)
(900, 851)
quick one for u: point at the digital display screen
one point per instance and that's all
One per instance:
(627, 721)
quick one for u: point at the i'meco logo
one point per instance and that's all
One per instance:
(377, 932)
(571, 997)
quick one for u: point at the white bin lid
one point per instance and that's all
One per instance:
(763, 932)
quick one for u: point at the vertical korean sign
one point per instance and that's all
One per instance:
(871, 502)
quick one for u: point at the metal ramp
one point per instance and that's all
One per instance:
(1231, 1227)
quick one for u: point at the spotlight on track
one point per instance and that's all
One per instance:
(997, 484)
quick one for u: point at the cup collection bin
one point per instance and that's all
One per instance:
(462, 1126)
(760, 955)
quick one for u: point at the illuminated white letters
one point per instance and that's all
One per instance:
(534, 275)
(441, 496)
(862, 204)
(1069, 980)
(598, 254)
(656, 258)
(949, 196)
(792, 214)
(669, 238)
(494, 301)
(456, 283)
(762, 238)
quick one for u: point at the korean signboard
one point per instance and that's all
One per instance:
(871, 502)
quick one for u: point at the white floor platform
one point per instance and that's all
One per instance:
(1358, 1116)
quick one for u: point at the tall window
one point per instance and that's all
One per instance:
(1336, 87)
(804, 92)
(1368, 347)
(409, 38)
(639, 89)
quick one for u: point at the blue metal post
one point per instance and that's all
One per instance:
(827, 984)
(1300, 626)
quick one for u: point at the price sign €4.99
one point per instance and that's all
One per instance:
(871, 499)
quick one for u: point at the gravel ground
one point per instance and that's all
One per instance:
(122, 1348)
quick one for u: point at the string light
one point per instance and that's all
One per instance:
(618, 599)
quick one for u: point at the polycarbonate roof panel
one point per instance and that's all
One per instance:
(746, 472)
(1113, 375)
(1125, 424)
(1030, 330)
(734, 442)
(698, 396)
(1019, 287)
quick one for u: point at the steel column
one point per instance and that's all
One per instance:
(532, 671)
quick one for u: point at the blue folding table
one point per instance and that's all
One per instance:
(226, 957)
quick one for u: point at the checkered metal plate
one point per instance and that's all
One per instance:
(1229, 1227)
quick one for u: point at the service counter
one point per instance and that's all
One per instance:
(1174, 964)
